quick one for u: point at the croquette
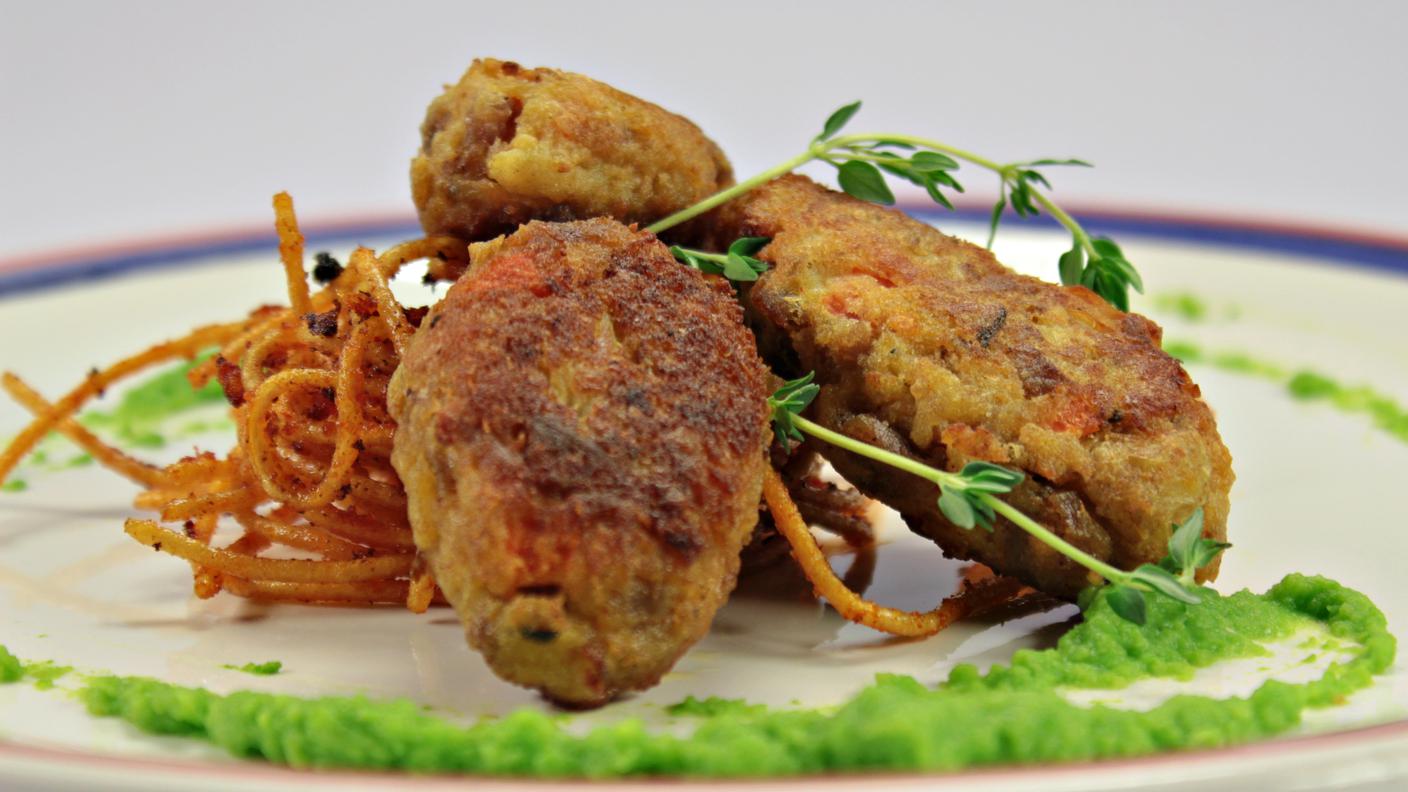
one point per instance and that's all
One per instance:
(507, 144)
(927, 345)
(582, 427)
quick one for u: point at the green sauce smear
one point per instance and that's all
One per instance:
(143, 410)
(713, 706)
(45, 673)
(1187, 305)
(1386, 413)
(1010, 714)
(259, 669)
(1193, 308)
(140, 419)
(11, 670)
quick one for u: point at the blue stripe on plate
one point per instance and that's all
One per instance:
(102, 267)
(1379, 255)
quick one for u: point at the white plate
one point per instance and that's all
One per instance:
(1318, 491)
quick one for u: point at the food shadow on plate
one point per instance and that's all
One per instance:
(774, 610)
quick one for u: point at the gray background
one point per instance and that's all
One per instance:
(124, 120)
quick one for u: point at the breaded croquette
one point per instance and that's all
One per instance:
(582, 424)
(927, 345)
(507, 145)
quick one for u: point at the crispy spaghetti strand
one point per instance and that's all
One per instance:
(856, 608)
(97, 382)
(422, 588)
(259, 568)
(449, 256)
(364, 263)
(370, 592)
(291, 253)
(107, 455)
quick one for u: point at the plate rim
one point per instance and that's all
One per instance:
(1324, 244)
(83, 265)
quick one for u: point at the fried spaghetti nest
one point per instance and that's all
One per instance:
(311, 470)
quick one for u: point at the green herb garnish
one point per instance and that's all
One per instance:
(260, 669)
(786, 403)
(1189, 550)
(969, 499)
(862, 160)
(737, 264)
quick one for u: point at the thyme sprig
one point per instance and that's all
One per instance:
(737, 264)
(1189, 550)
(1174, 575)
(786, 405)
(969, 499)
(862, 160)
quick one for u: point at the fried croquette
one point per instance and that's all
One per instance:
(582, 427)
(928, 346)
(507, 145)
